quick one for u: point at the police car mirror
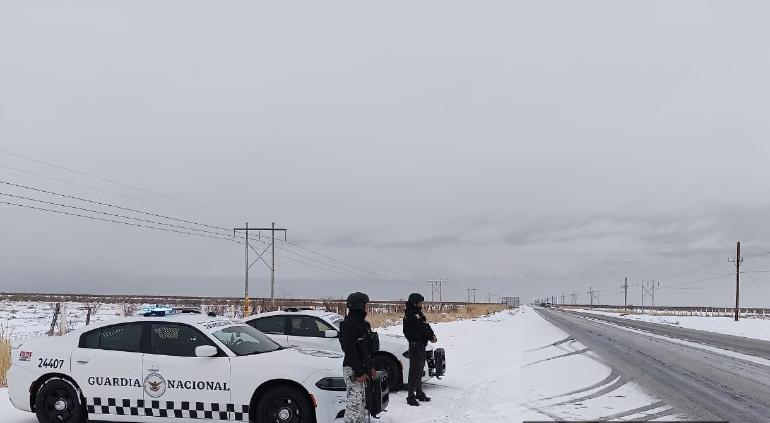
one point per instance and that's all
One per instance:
(205, 351)
(331, 333)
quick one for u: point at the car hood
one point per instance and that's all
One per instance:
(296, 357)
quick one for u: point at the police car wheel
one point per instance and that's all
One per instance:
(284, 405)
(58, 401)
(390, 366)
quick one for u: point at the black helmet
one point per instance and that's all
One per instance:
(415, 298)
(357, 301)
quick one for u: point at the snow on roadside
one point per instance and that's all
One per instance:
(745, 327)
(10, 414)
(505, 367)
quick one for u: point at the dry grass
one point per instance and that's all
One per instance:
(5, 355)
(471, 311)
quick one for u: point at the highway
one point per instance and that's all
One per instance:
(699, 382)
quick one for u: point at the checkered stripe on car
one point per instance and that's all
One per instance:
(173, 409)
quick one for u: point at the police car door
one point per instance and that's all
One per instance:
(272, 326)
(310, 332)
(107, 366)
(176, 383)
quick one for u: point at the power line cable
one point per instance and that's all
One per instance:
(50, 203)
(174, 231)
(711, 278)
(90, 175)
(67, 182)
(72, 197)
(112, 220)
(224, 235)
(331, 258)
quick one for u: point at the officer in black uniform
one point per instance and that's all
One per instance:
(418, 332)
(356, 341)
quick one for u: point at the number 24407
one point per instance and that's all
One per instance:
(50, 363)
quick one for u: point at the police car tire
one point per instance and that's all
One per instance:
(56, 393)
(284, 398)
(382, 362)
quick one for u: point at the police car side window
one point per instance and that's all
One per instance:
(126, 337)
(175, 340)
(308, 326)
(272, 324)
(90, 339)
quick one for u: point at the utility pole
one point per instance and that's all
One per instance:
(562, 298)
(436, 286)
(625, 289)
(469, 294)
(648, 288)
(248, 264)
(737, 260)
(592, 293)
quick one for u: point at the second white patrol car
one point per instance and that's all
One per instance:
(177, 368)
(318, 329)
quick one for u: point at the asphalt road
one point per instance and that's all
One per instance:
(702, 384)
(728, 342)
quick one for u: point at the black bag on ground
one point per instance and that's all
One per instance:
(436, 362)
(377, 394)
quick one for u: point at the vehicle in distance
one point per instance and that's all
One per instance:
(317, 329)
(179, 367)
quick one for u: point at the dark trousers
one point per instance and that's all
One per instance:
(416, 365)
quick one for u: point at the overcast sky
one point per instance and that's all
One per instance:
(522, 148)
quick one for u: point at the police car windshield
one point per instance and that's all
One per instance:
(245, 340)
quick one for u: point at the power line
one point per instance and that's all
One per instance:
(90, 175)
(171, 230)
(369, 275)
(695, 281)
(111, 220)
(331, 258)
(50, 203)
(40, 175)
(72, 197)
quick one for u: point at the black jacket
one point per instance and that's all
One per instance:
(416, 327)
(356, 339)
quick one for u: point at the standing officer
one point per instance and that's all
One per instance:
(355, 339)
(418, 332)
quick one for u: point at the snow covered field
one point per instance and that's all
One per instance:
(510, 366)
(24, 320)
(745, 327)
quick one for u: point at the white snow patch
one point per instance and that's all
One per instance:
(746, 327)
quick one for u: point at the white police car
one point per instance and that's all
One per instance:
(307, 328)
(174, 368)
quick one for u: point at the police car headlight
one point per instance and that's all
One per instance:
(331, 384)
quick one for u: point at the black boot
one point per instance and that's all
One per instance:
(412, 401)
(422, 397)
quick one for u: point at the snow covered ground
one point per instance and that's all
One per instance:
(510, 366)
(31, 319)
(745, 327)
